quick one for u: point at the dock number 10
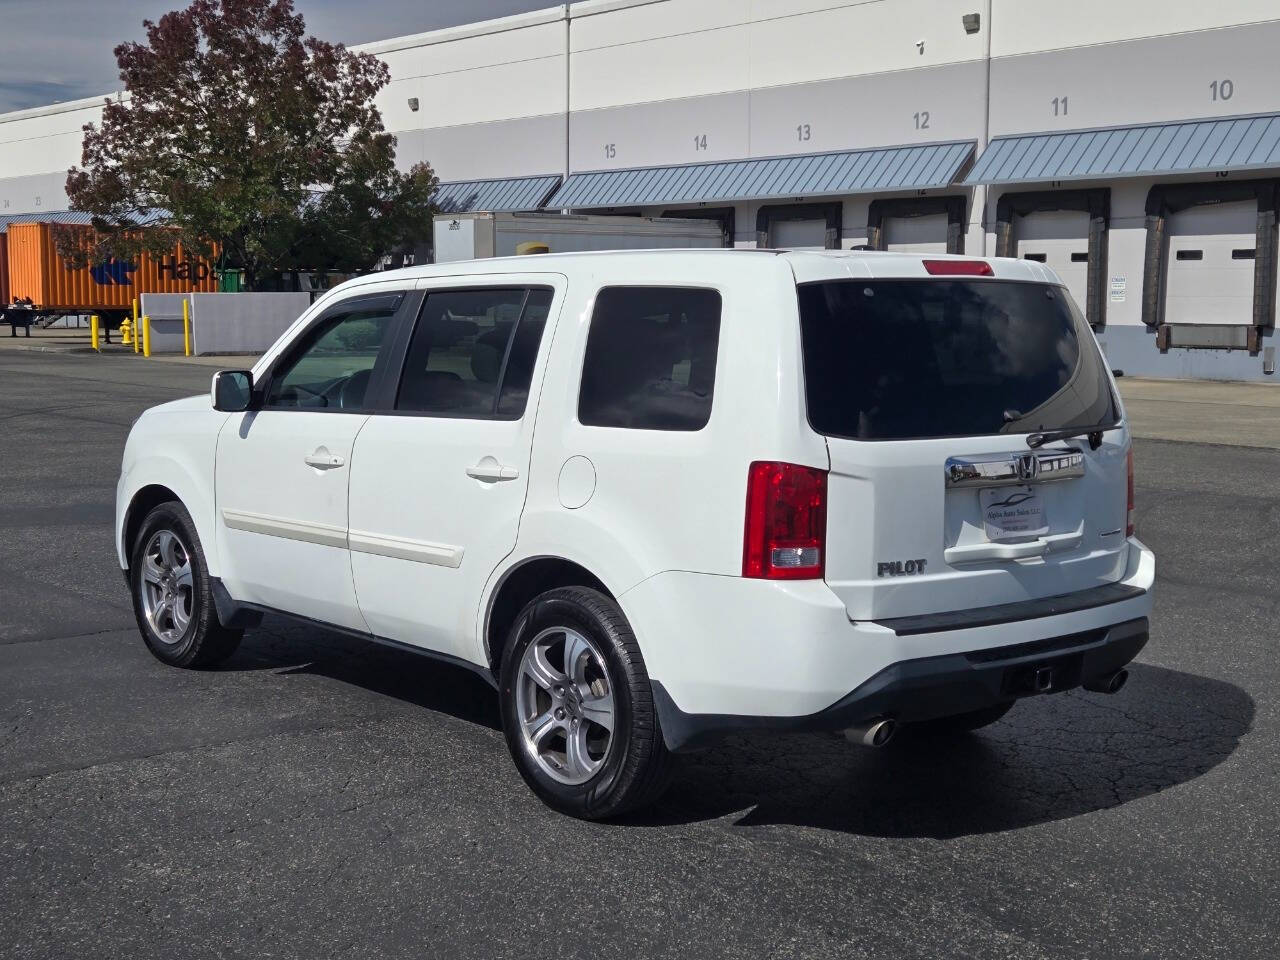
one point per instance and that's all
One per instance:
(1221, 89)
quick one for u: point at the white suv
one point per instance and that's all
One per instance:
(658, 497)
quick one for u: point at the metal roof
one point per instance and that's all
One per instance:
(1233, 143)
(514, 193)
(44, 216)
(66, 216)
(810, 175)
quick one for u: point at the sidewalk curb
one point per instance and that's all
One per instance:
(114, 348)
(120, 351)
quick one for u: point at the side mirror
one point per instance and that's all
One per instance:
(232, 390)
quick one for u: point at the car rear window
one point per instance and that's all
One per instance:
(910, 359)
(651, 358)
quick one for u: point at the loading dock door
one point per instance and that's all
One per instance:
(1210, 263)
(1060, 240)
(800, 234)
(924, 234)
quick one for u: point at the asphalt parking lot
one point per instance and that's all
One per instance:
(320, 797)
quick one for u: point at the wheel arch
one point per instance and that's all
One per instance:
(144, 500)
(520, 583)
(159, 480)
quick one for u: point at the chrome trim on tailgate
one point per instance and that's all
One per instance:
(1014, 469)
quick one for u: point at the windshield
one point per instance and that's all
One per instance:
(911, 359)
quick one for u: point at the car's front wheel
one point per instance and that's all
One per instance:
(172, 592)
(577, 707)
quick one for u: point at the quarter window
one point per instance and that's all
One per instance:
(651, 358)
(333, 365)
(473, 352)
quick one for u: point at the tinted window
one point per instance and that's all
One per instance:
(473, 352)
(889, 359)
(514, 390)
(651, 358)
(333, 364)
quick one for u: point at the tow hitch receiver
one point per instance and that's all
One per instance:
(1052, 677)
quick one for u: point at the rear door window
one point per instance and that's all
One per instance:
(650, 362)
(473, 352)
(910, 359)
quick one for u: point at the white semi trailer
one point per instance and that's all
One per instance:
(473, 236)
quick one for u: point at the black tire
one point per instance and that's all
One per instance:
(204, 642)
(962, 722)
(636, 765)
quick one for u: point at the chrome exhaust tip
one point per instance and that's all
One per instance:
(873, 733)
(1108, 682)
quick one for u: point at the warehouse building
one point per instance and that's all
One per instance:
(1133, 147)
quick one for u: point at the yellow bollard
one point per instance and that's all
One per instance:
(137, 337)
(93, 330)
(186, 327)
(146, 336)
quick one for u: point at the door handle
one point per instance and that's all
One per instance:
(322, 459)
(491, 471)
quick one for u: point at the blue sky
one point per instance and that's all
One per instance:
(56, 50)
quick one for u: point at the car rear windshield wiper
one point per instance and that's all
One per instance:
(1094, 433)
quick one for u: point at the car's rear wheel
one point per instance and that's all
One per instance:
(577, 707)
(962, 722)
(172, 592)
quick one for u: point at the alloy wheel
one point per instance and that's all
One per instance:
(565, 705)
(167, 595)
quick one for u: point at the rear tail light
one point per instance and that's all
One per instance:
(958, 268)
(1129, 526)
(786, 526)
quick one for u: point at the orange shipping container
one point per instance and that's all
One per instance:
(37, 271)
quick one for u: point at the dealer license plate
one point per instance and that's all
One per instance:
(1012, 513)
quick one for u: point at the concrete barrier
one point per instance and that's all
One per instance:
(165, 311)
(222, 322)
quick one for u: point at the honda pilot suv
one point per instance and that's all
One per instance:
(655, 498)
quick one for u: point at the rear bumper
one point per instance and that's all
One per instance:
(729, 653)
(932, 687)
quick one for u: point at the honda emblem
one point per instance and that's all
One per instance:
(1028, 467)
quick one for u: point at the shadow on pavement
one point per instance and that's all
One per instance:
(1051, 758)
(293, 649)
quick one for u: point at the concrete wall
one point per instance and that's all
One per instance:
(37, 147)
(242, 322)
(221, 322)
(164, 311)
(491, 98)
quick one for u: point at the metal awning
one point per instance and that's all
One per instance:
(46, 216)
(811, 175)
(495, 196)
(75, 217)
(1233, 143)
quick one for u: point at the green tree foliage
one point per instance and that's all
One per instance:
(241, 134)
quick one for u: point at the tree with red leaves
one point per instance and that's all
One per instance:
(242, 135)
